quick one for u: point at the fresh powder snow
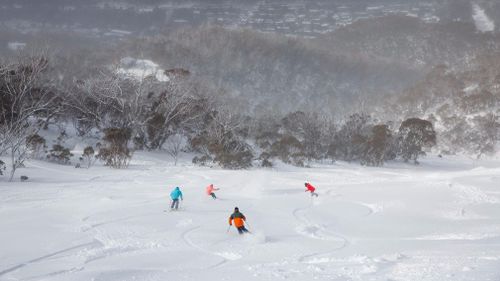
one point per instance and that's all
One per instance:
(436, 221)
(140, 69)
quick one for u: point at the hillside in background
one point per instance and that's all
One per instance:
(336, 72)
(410, 41)
(463, 104)
(387, 58)
(276, 72)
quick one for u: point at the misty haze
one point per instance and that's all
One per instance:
(359, 138)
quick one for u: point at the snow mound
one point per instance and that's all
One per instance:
(140, 69)
(255, 238)
(229, 255)
(315, 231)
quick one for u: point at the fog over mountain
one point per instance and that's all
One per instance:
(337, 57)
(369, 47)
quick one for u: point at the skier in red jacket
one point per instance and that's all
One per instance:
(311, 189)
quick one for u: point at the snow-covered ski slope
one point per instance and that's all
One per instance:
(437, 221)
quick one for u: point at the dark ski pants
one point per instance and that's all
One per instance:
(314, 194)
(213, 195)
(242, 229)
(175, 204)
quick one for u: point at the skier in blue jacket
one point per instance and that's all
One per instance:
(175, 195)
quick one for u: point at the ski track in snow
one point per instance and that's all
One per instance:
(126, 222)
(102, 223)
(317, 228)
(48, 256)
(188, 241)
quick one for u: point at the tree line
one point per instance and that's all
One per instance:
(182, 114)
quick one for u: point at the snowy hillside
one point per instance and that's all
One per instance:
(437, 221)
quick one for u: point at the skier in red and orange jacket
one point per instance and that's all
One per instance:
(210, 191)
(311, 189)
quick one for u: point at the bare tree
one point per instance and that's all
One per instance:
(112, 99)
(116, 153)
(2, 167)
(181, 104)
(153, 110)
(174, 146)
(311, 129)
(89, 156)
(23, 97)
(222, 140)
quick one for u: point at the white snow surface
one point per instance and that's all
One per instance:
(482, 21)
(139, 69)
(436, 221)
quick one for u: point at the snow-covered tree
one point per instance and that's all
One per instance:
(174, 146)
(112, 100)
(221, 140)
(59, 154)
(36, 146)
(24, 96)
(180, 104)
(89, 156)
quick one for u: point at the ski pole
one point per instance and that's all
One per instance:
(229, 227)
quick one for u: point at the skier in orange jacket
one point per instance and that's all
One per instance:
(239, 221)
(210, 191)
(311, 189)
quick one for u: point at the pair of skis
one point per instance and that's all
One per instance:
(173, 210)
(229, 227)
